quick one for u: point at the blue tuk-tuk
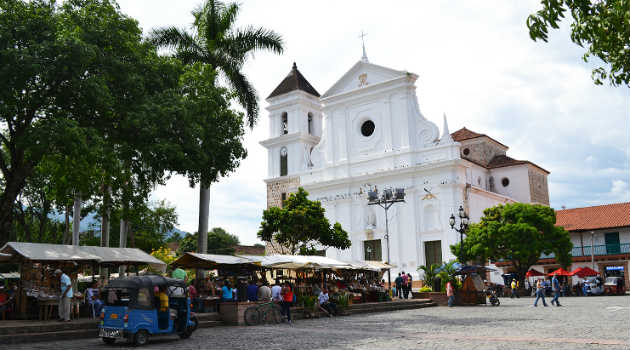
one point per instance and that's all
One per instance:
(132, 310)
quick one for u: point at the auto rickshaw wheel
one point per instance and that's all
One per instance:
(109, 341)
(141, 337)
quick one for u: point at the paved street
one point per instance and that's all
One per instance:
(582, 323)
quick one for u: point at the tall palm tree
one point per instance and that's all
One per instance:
(215, 41)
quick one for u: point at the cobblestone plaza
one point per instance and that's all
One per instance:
(582, 323)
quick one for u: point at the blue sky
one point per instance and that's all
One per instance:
(476, 63)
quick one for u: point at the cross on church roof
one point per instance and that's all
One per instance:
(362, 36)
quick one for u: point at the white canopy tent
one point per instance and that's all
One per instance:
(210, 261)
(300, 262)
(45, 252)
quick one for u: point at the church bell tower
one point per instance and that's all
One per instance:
(295, 127)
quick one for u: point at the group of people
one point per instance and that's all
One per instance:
(403, 285)
(540, 291)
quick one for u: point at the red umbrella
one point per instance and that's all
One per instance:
(584, 272)
(560, 272)
(533, 273)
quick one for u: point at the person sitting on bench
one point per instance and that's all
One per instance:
(326, 304)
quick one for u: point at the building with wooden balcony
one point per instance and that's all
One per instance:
(600, 237)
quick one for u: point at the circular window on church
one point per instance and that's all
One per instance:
(505, 182)
(367, 128)
(466, 151)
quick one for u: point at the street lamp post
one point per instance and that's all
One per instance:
(385, 201)
(463, 226)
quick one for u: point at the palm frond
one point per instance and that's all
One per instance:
(228, 17)
(249, 39)
(245, 92)
(172, 38)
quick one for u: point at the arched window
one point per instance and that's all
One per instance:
(285, 123)
(283, 161)
(310, 123)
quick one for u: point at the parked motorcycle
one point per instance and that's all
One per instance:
(491, 294)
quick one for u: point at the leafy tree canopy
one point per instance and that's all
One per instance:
(219, 242)
(602, 26)
(301, 226)
(519, 233)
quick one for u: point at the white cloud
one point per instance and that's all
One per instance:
(475, 61)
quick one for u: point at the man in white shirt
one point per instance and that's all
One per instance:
(65, 297)
(264, 292)
(324, 302)
(275, 292)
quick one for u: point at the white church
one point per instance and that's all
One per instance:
(367, 131)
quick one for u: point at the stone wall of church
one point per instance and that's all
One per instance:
(276, 188)
(480, 151)
(538, 188)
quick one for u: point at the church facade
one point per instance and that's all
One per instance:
(367, 132)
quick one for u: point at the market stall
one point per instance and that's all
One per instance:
(38, 287)
(228, 267)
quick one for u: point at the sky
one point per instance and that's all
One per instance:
(476, 64)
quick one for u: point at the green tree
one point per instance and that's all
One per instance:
(519, 233)
(80, 85)
(301, 226)
(602, 26)
(215, 41)
(219, 242)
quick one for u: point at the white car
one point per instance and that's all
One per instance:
(594, 285)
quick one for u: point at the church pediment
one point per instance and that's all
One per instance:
(361, 75)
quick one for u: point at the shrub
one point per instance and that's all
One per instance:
(425, 289)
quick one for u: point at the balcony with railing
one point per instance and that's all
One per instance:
(597, 250)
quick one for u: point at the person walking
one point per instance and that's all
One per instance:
(287, 300)
(409, 285)
(65, 297)
(450, 293)
(405, 281)
(514, 286)
(555, 285)
(540, 293)
(398, 282)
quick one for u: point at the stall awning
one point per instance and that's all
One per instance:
(302, 262)
(124, 256)
(46, 252)
(209, 261)
(59, 252)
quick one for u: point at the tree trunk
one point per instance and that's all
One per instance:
(131, 235)
(202, 231)
(43, 219)
(105, 215)
(122, 243)
(76, 219)
(66, 230)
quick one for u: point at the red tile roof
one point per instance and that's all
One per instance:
(593, 218)
(465, 134)
(503, 161)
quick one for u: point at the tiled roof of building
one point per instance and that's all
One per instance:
(465, 134)
(500, 161)
(294, 81)
(593, 218)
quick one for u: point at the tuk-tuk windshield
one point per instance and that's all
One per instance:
(118, 296)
